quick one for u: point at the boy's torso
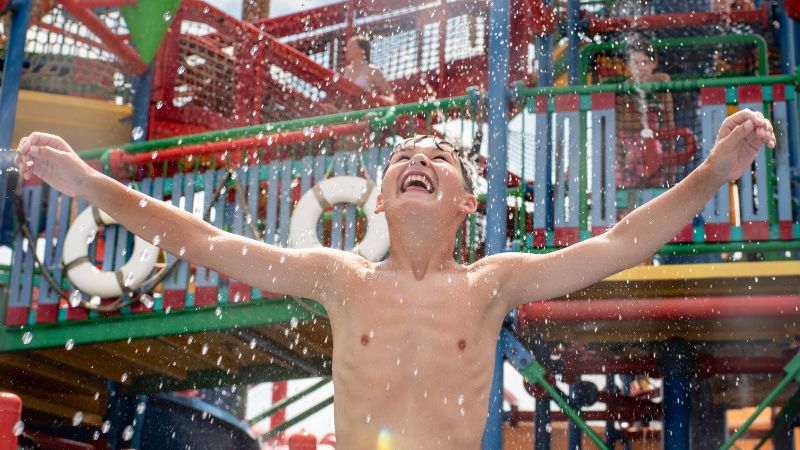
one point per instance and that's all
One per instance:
(413, 359)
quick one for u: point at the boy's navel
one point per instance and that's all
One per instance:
(462, 344)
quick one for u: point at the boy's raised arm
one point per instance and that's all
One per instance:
(524, 278)
(299, 272)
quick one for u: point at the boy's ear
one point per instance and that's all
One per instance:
(469, 204)
(379, 204)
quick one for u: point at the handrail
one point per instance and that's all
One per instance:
(297, 419)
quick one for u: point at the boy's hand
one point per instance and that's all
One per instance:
(739, 140)
(50, 158)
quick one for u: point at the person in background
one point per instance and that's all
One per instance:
(358, 70)
(640, 117)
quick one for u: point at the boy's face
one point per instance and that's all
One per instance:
(641, 65)
(352, 51)
(425, 172)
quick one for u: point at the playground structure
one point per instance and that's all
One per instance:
(715, 323)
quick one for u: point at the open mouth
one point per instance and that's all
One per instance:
(417, 182)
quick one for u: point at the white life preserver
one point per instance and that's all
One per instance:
(342, 189)
(93, 281)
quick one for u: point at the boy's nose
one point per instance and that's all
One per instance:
(420, 159)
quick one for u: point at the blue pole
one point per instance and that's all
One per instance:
(544, 56)
(542, 430)
(573, 431)
(789, 61)
(573, 42)
(12, 69)
(677, 368)
(142, 89)
(496, 209)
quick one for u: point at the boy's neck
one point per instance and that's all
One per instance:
(421, 248)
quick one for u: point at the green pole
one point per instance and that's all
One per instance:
(710, 247)
(287, 401)
(279, 127)
(299, 418)
(792, 372)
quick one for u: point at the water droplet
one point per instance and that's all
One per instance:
(90, 237)
(27, 337)
(181, 251)
(462, 412)
(167, 16)
(244, 250)
(137, 133)
(105, 427)
(70, 344)
(127, 433)
(156, 240)
(95, 300)
(218, 312)
(124, 377)
(128, 279)
(147, 300)
(204, 350)
(143, 256)
(283, 258)
(77, 419)
(18, 428)
(369, 418)
(181, 70)
(75, 298)
(143, 203)
(461, 399)
(141, 407)
(252, 344)
(293, 322)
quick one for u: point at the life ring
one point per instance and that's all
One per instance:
(93, 281)
(344, 189)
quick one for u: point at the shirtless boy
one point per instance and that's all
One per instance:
(415, 334)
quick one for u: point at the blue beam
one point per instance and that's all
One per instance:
(573, 42)
(543, 428)
(497, 169)
(12, 69)
(142, 89)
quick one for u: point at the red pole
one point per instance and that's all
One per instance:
(659, 309)
(10, 413)
(279, 391)
(120, 160)
(678, 20)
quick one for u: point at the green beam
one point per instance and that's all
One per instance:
(709, 247)
(279, 127)
(661, 86)
(792, 371)
(786, 416)
(157, 323)
(287, 401)
(299, 418)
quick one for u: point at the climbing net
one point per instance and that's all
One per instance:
(64, 57)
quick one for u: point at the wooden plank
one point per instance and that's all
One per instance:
(86, 361)
(51, 370)
(144, 361)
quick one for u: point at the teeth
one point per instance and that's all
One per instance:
(411, 178)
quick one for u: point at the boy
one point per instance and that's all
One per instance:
(412, 362)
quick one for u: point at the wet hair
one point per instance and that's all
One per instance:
(363, 42)
(642, 46)
(467, 166)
